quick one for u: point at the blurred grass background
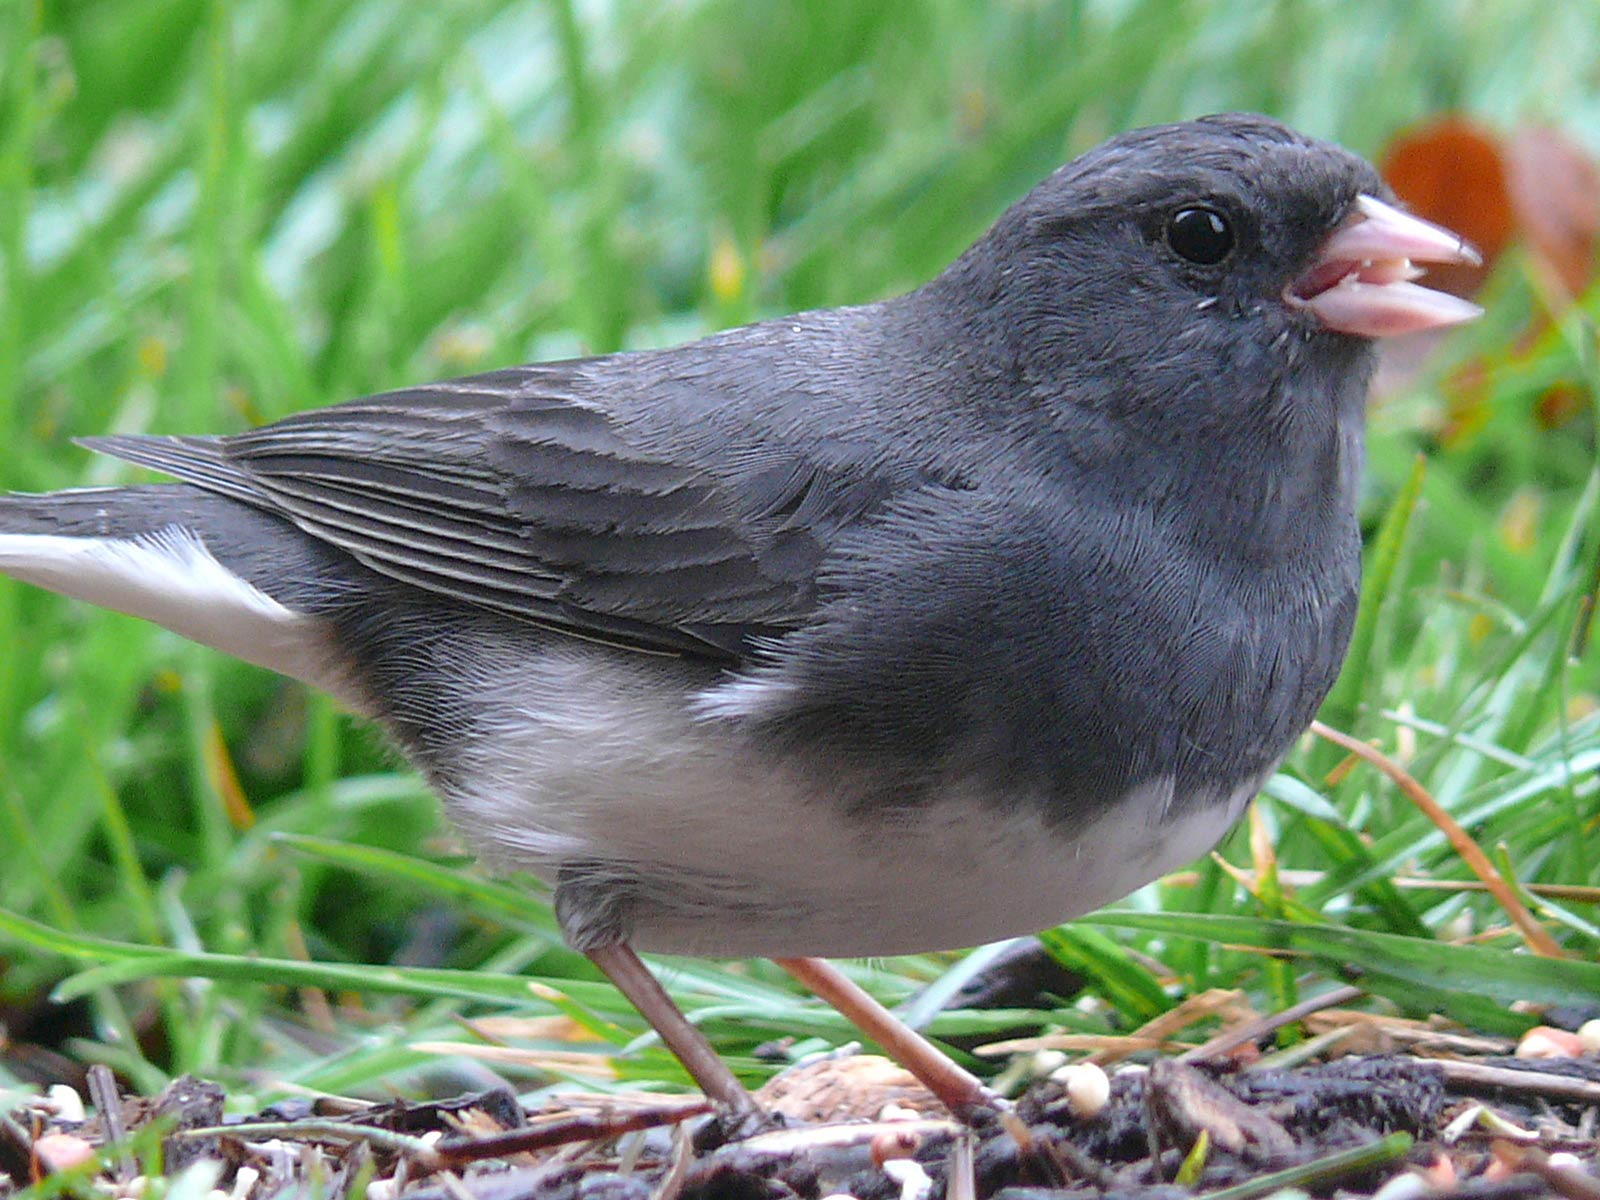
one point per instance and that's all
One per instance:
(213, 213)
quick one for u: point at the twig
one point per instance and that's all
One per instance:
(1017, 1130)
(670, 1185)
(1405, 1032)
(809, 1139)
(1104, 1047)
(962, 1181)
(1577, 892)
(1539, 941)
(318, 1129)
(559, 1131)
(313, 1000)
(103, 1092)
(1540, 1083)
(1249, 1031)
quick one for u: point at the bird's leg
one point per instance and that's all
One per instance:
(592, 909)
(960, 1091)
(633, 979)
(593, 904)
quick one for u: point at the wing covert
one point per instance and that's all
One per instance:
(512, 492)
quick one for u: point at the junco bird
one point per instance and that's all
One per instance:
(855, 632)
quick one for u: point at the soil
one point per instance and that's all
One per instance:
(1453, 1114)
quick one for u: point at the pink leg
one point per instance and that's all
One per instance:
(961, 1092)
(634, 980)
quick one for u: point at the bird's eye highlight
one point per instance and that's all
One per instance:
(1201, 235)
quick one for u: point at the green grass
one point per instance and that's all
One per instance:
(213, 214)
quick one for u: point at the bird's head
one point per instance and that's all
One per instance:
(1225, 266)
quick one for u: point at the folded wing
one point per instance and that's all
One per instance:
(511, 492)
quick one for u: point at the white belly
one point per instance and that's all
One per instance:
(951, 875)
(736, 856)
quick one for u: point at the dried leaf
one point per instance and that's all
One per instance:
(1555, 192)
(1452, 172)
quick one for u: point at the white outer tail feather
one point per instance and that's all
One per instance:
(171, 578)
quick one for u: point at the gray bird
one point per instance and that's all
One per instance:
(861, 631)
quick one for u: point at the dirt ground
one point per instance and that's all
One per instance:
(1378, 1106)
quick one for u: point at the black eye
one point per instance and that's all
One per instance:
(1202, 235)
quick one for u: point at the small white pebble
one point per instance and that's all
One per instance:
(915, 1183)
(1566, 1160)
(1544, 1042)
(1047, 1062)
(1404, 1186)
(1459, 927)
(1466, 1119)
(838, 1196)
(1087, 1088)
(898, 1112)
(382, 1189)
(68, 1104)
(197, 1181)
(1589, 1037)
(244, 1182)
(136, 1187)
(1405, 737)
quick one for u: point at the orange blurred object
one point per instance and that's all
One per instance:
(1451, 171)
(1533, 184)
(1555, 191)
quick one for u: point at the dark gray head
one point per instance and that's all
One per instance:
(1184, 319)
(1171, 258)
(1227, 208)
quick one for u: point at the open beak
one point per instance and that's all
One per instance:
(1361, 281)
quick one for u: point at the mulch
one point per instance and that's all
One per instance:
(1387, 1107)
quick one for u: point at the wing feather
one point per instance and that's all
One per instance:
(511, 492)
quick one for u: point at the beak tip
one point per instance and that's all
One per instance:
(1386, 229)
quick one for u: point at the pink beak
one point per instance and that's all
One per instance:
(1361, 281)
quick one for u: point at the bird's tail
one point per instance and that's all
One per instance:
(216, 571)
